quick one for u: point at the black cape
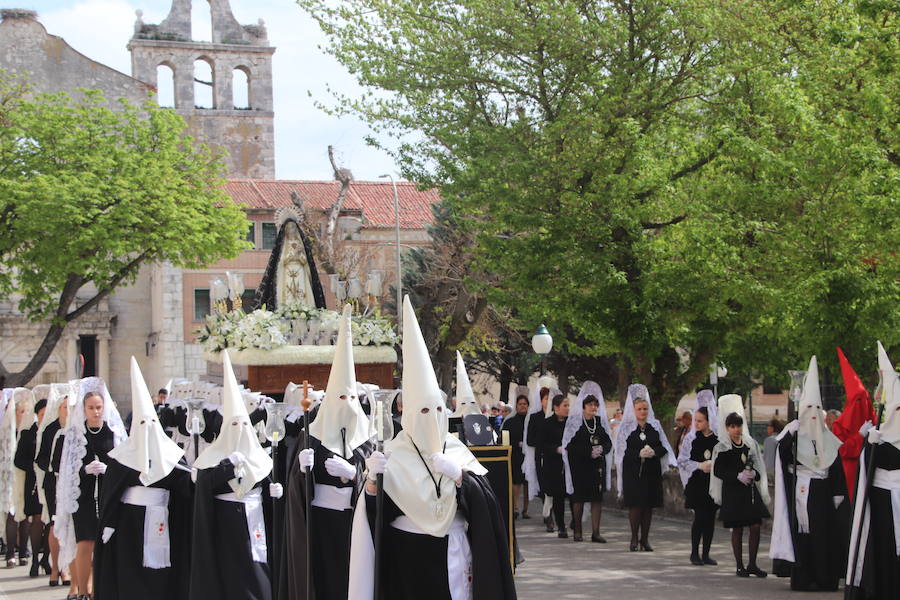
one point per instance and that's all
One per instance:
(118, 564)
(266, 292)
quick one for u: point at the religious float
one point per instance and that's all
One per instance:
(290, 334)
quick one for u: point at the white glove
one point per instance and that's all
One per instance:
(95, 468)
(865, 428)
(874, 436)
(307, 458)
(338, 467)
(520, 445)
(237, 459)
(376, 464)
(647, 452)
(559, 449)
(837, 500)
(596, 451)
(276, 490)
(706, 466)
(445, 465)
(746, 476)
(107, 533)
(793, 426)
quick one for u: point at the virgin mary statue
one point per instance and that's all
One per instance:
(291, 276)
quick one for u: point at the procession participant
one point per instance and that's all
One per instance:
(857, 412)
(553, 482)
(532, 463)
(643, 454)
(739, 483)
(466, 404)
(444, 537)
(93, 429)
(811, 542)
(211, 415)
(873, 567)
(339, 442)
(7, 476)
(145, 511)
(515, 425)
(29, 507)
(587, 458)
(50, 436)
(695, 461)
(229, 551)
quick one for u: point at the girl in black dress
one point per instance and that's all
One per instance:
(26, 450)
(696, 492)
(554, 483)
(515, 425)
(48, 460)
(587, 446)
(737, 464)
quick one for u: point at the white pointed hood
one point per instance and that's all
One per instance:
(148, 450)
(237, 435)
(890, 395)
(817, 447)
(409, 478)
(341, 424)
(466, 404)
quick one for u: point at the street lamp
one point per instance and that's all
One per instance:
(542, 343)
(397, 239)
(716, 371)
(797, 380)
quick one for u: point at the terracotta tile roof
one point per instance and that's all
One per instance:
(374, 198)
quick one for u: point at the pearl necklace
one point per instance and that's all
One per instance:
(590, 429)
(99, 429)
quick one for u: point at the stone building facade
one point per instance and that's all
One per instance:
(154, 318)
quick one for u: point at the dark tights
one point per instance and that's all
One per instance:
(703, 527)
(578, 516)
(737, 538)
(16, 537)
(37, 533)
(559, 512)
(640, 518)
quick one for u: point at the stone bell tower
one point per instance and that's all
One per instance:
(243, 127)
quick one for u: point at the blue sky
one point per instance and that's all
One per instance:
(101, 29)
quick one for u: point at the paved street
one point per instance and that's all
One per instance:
(560, 569)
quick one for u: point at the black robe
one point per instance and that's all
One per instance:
(515, 425)
(222, 566)
(820, 555)
(696, 492)
(91, 486)
(414, 566)
(881, 565)
(48, 458)
(268, 286)
(330, 529)
(26, 449)
(118, 564)
(550, 436)
(588, 474)
(741, 504)
(642, 485)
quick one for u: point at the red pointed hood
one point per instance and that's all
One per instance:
(852, 385)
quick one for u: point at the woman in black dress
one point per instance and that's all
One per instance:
(737, 464)
(48, 460)
(515, 425)
(26, 450)
(696, 492)
(642, 453)
(587, 444)
(554, 482)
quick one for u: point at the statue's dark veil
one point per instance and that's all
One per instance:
(266, 292)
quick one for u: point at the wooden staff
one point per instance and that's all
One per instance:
(306, 403)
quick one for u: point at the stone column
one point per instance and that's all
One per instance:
(71, 355)
(103, 356)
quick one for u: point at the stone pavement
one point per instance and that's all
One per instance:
(557, 569)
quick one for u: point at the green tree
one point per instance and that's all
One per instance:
(663, 182)
(89, 192)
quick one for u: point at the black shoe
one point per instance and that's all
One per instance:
(646, 547)
(515, 515)
(577, 538)
(562, 534)
(45, 564)
(633, 547)
(742, 572)
(526, 515)
(696, 561)
(548, 523)
(598, 539)
(35, 569)
(708, 561)
(754, 570)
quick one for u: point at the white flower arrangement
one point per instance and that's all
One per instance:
(267, 330)
(304, 355)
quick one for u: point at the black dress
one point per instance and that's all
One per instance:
(642, 478)
(48, 458)
(85, 518)
(588, 474)
(554, 478)
(535, 425)
(26, 449)
(515, 425)
(741, 504)
(820, 555)
(696, 492)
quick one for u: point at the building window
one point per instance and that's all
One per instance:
(165, 86)
(269, 233)
(240, 88)
(251, 233)
(204, 84)
(202, 307)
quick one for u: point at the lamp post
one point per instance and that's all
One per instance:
(542, 343)
(397, 239)
(797, 378)
(716, 371)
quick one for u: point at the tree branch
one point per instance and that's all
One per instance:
(697, 165)
(674, 221)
